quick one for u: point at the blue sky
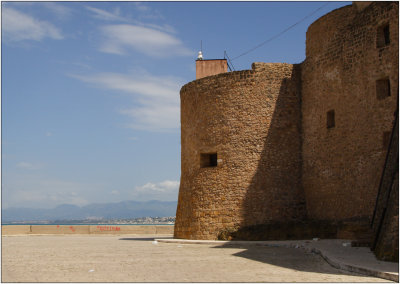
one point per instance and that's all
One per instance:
(90, 90)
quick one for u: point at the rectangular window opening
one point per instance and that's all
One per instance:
(208, 160)
(386, 34)
(382, 88)
(330, 119)
(383, 36)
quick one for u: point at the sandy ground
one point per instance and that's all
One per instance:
(111, 258)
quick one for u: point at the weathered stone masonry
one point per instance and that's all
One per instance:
(286, 142)
(343, 64)
(251, 120)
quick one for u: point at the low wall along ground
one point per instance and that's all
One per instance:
(85, 229)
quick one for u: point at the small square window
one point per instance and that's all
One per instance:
(208, 160)
(330, 119)
(383, 36)
(382, 88)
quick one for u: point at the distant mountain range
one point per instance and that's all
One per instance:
(120, 210)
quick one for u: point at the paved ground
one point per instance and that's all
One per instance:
(338, 253)
(111, 258)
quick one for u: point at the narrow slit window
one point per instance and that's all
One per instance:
(383, 36)
(382, 88)
(386, 139)
(386, 34)
(208, 160)
(330, 119)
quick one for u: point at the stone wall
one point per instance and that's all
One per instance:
(385, 221)
(387, 242)
(342, 163)
(249, 123)
(282, 142)
(7, 230)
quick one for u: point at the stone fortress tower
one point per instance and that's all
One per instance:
(293, 142)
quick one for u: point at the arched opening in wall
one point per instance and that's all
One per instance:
(208, 160)
(382, 88)
(383, 36)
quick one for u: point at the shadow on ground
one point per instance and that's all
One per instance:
(291, 258)
(142, 239)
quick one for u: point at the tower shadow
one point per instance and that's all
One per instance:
(275, 194)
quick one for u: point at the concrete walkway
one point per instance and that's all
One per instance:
(138, 258)
(337, 253)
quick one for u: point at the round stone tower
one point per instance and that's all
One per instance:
(240, 137)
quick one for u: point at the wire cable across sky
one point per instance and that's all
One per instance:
(279, 34)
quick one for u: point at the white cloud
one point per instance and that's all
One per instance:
(165, 28)
(32, 190)
(105, 15)
(18, 26)
(154, 87)
(28, 166)
(146, 12)
(141, 7)
(48, 134)
(61, 11)
(120, 39)
(153, 116)
(165, 191)
(115, 192)
(156, 98)
(116, 16)
(44, 194)
(165, 186)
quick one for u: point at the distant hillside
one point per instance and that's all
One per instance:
(125, 209)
